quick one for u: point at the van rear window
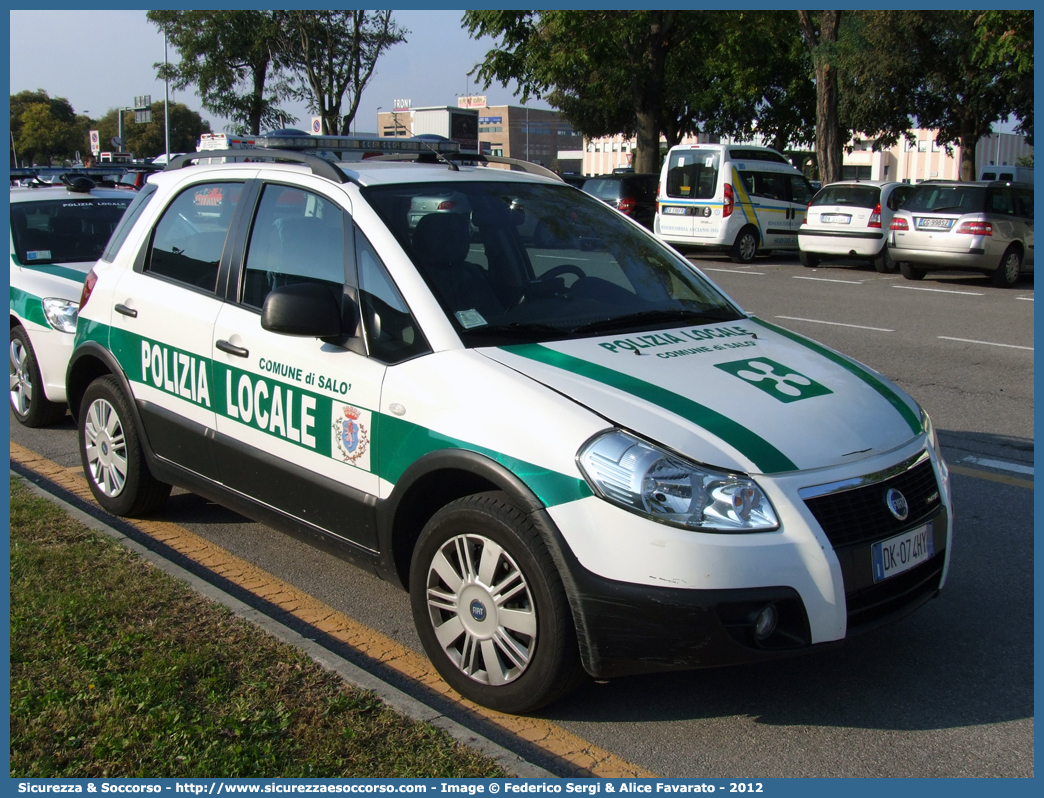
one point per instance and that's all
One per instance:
(693, 174)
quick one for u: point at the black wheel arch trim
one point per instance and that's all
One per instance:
(78, 378)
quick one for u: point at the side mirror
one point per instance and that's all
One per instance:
(305, 309)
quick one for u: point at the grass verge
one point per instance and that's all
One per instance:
(118, 669)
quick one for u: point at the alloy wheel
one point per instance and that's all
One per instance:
(106, 448)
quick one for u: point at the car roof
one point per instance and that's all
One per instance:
(874, 183)
(373, 172)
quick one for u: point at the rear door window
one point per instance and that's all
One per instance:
(693, 174)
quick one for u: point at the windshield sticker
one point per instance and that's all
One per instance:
(470, 318)
(775, 379)
(38, 254)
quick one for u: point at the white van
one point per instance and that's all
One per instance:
(740, 198)
(1010, 174)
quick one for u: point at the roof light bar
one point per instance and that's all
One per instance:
(354, 144)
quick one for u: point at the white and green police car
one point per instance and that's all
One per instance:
(573, 450)
(57, 233)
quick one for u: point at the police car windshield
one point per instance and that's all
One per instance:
(66, 230)
(512, 262)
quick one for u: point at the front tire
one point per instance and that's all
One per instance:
(1009, 270)
(911, 272)
(111, 453)
(745, 247)
(490, 608)
(28, 403)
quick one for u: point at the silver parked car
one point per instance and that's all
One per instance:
(850, 219)
(981, 226)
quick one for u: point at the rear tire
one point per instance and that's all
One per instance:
(111, 453)
(30, 405)
(745, 247)
(1008, 272)
(490, 608)
(883, 262)
(910, 272)
(808, 259)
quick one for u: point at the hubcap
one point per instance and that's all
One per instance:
(21, 384)
(106, 448)
(747, 247)
(1011, 268)
(482, 609)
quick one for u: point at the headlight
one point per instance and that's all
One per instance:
(61, 313)
(648, 480)
(929, 430)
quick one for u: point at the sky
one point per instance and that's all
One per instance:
(430, 68)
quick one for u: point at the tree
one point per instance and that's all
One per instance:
(52, 126)
(1005, 42)
(821, 35)
(149, 140)
(228, 56)
(605, 70)
(334, 53)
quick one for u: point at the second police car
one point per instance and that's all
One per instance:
(573, 450)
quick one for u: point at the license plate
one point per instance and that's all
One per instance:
(676, 211)
(836, 218)
(934, 224)
(903, 552)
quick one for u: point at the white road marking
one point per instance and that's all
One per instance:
(1000, 464)
(1025, 298)
(937, 290)
(731, 271)
(985, 343)
(828, 280)
(835, 323)
(553, 257)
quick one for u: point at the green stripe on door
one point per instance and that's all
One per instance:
(909, 416)
(762, 453)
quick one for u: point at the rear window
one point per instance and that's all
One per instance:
(853, 196)
(693, 174)
(65, 230)
(928, 198)
(604, 188)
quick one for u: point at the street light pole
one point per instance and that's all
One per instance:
(166, 101)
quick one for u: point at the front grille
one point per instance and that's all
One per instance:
(861, 515)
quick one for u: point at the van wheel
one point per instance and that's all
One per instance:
(911, 272)
(1009, 270)
(883, 262)
(490, 608)
(745, 247)
(111, 453)
(808, 259)
(28, 402)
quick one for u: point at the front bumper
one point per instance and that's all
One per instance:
(681, 611)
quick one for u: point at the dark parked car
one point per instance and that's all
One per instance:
(632, 194)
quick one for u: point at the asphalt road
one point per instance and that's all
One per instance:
(947, 692)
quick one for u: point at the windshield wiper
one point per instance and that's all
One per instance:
(943, 210)
(655, 317)
(520, 329)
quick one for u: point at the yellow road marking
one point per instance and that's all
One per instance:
(553, 739)
(974, 472)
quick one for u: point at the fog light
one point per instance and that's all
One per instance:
(765, 623)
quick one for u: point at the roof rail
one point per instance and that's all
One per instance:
(525, 166)
(319, 166)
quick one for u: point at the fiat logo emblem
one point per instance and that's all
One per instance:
(897, 504)
(478, 611)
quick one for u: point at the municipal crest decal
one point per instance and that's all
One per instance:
(351, 434)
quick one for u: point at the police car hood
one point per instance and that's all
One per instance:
(743, 395)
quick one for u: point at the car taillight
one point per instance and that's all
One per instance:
(875, 217)
(899, 223)
(804, 219)
(446, 205)
(627, 205)
(88, 286)
(976, 228)
(726, 208)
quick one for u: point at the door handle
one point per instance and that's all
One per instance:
(232, 349)
(123, 310)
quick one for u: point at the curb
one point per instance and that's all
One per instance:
(407, 705)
